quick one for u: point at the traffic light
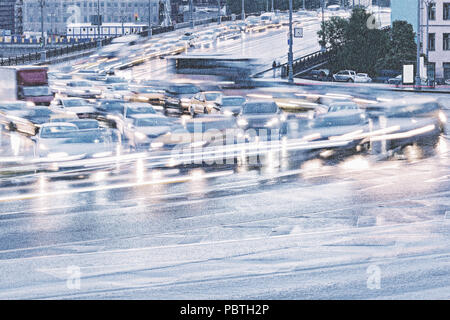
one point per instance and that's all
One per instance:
(136, 17)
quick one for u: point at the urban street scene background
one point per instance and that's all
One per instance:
(224, 149)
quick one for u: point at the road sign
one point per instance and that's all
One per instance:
(408, 74)
(298, 32)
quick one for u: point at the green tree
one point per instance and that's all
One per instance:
(402, 47)
(359, 46)
(332, 33)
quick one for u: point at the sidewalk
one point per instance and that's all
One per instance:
(445, 89)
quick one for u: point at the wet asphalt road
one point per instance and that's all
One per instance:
(290, 229)
(351, 228)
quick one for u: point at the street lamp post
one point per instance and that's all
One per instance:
(243, 10)
(272, 7)
(291, 53)
(428, 5)
(418, 37)
(150, 30)
(191, 13)
(323, 26)
(42, 5)
(99, 40)
(219, 16)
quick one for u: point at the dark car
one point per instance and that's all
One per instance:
(319, 75)
(264, 117)
(178, 96)
(408, 121)
(231, 105)
(39, 115)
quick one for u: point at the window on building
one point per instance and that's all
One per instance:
(446, 70)
(431, 41)
(446, 41)
(431, 70)
(447, 11)
(432, 11)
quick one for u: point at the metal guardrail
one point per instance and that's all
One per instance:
(311, 60)
(51, 53)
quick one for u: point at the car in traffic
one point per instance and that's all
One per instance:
(178, 96)
(82, 89)
(142, 129)
(118, 114)
(152, 95)
(398, 80)
(407, 121)
(319, 75)
(343, 106)
(263, 117)
(231, 105)
(345, 76)
(197, 133)
(205, 102)
(117, 91)
(362, 78)
(81, 107)
(65, 142)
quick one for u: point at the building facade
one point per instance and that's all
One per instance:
(59, 13)
(436, 22)
(434, 31)
(7, 15)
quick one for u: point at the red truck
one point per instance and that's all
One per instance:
(27, 83)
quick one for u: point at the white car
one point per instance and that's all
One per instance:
(362, 78)
(142, 129)
(345, 76)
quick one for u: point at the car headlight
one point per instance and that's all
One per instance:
(140, 136)
(442, 117)
(58, 155)
(102, 154)
(242, 122)
(198, 144)
(228, 113)
(185, 102)
(157, 145)
(43, 147)
(273, 122)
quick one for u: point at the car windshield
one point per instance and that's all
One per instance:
(153, 122)
(322, 122)
(362, 75)
(91, 136)
(79, 84)
(184, 89)
(257, 108)
(147, 90)
(226, 102)
(335, 108)
(115, 80)
(36, 91)
(75, 103)
(13, 106)
(57, 131)
(140, 110)
(44, 112)
(212, 96)
(112, 105)
(120, 87)
(86, 124)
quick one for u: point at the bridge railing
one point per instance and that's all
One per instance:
(51, 53)
(309, 61)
